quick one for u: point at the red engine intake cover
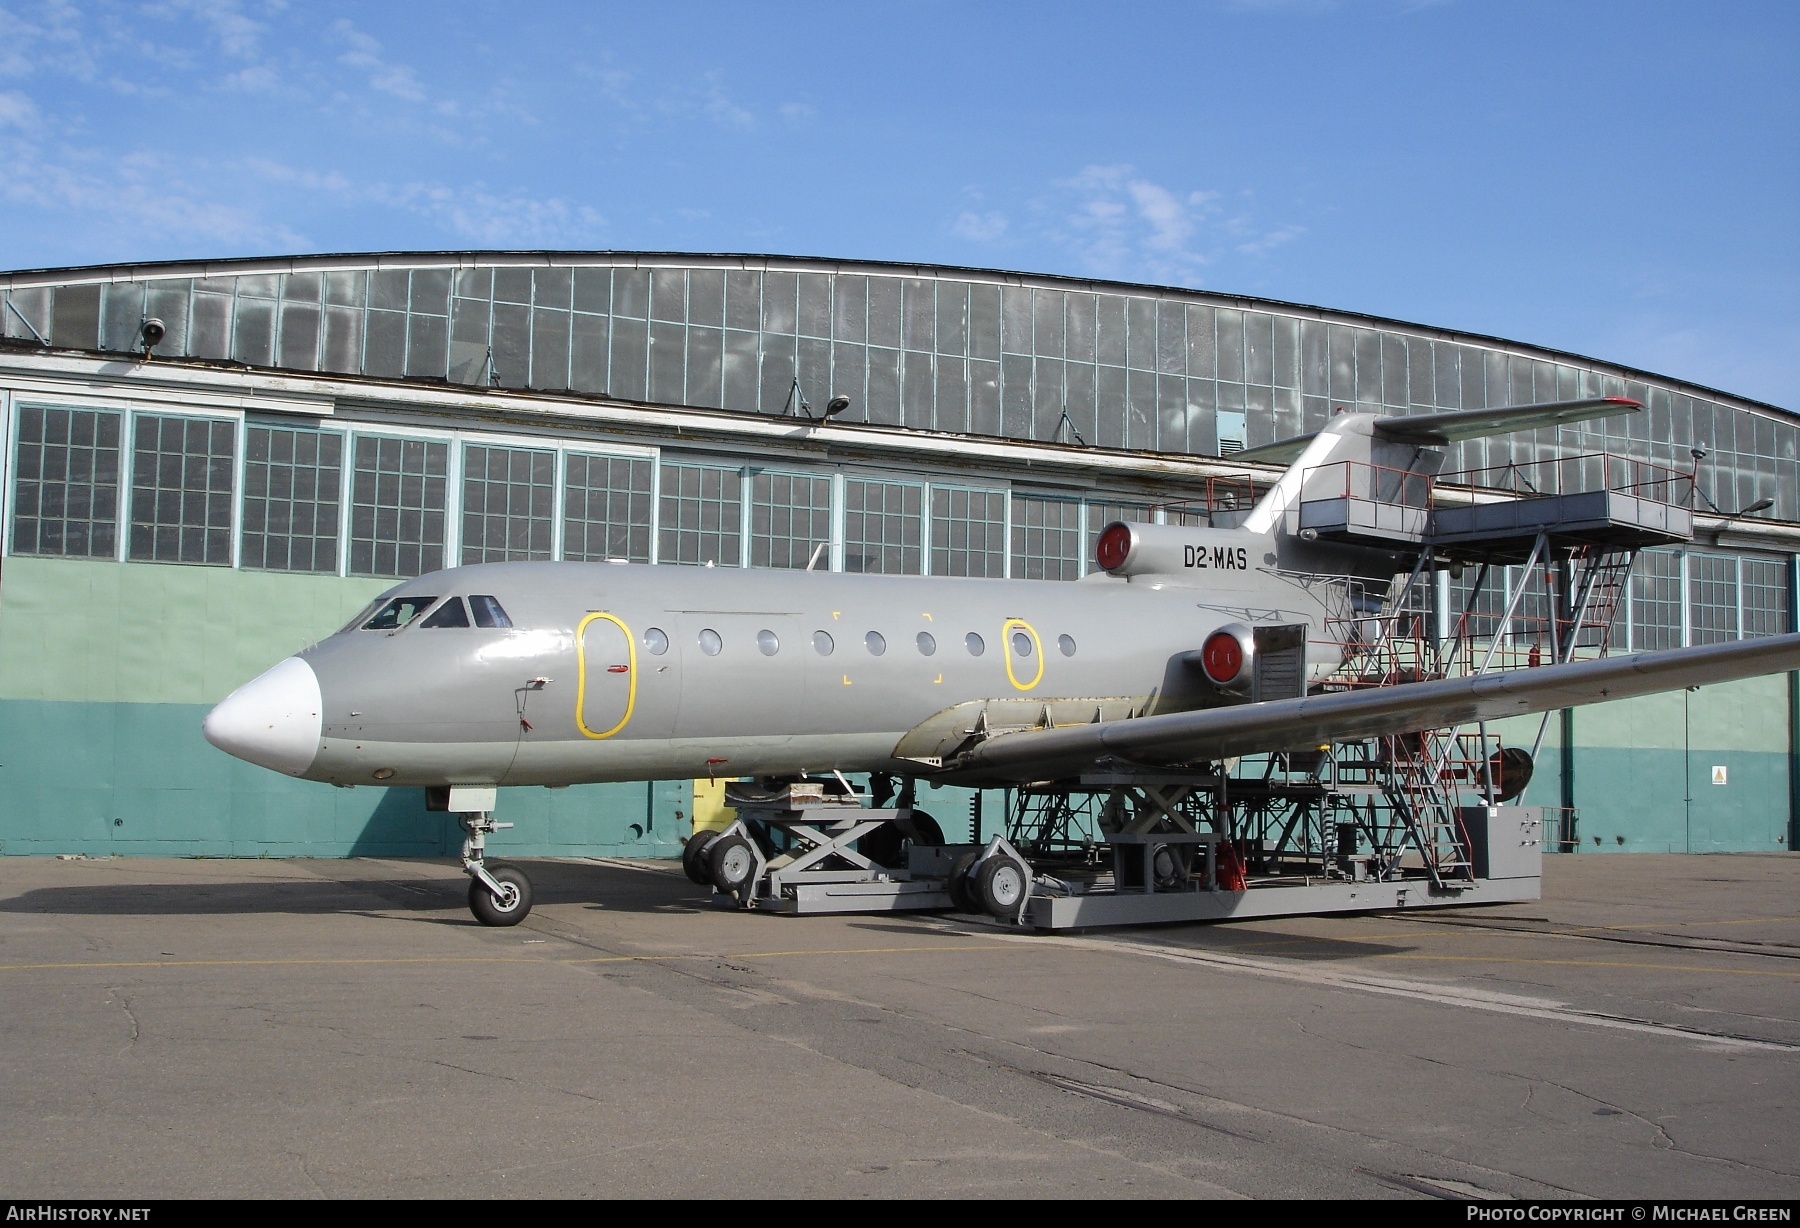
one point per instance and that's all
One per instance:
(1222, 657)
(1113, 547)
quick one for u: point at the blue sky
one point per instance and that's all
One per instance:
(1619, 180)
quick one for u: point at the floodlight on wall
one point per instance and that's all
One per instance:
(1761, 505)
(151, 331)
(836, 405)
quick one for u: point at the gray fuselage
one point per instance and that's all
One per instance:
(577, 690)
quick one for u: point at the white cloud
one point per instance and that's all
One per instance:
(236, 34)
(1119, 223)
(491, 219)
(16, 110)
(365, 54)
(979, 227)
(141, 197)
(471, 212)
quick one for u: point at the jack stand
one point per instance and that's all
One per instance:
(480, 824)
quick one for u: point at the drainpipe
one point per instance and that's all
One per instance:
(1793, 831)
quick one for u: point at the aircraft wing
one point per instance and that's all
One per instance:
(1294, 724)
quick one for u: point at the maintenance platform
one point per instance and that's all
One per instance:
(1538, 558)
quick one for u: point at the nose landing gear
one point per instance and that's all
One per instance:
(498, 894)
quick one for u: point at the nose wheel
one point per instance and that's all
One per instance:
(499, 895)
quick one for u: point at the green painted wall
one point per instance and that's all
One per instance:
(1643, 769)
(106, 670)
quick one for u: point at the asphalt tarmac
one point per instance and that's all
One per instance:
(197, 1028)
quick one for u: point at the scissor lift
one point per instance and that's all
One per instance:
(1406, 821)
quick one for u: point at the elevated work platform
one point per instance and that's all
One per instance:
(1497, 514)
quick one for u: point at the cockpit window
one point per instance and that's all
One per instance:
(488, 612)
(398, 612)
(361, 614)
(450, 614)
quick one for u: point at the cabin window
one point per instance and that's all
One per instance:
(1021, 643)
(876, 643)
(975, 644)
(450, 614)
(397, 613)
(710, 643)
(822, 643)
(768, 643)
(657, 641)
(927, 644)
(1067, 644)
(488, 612)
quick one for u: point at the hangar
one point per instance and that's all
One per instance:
(209, 465)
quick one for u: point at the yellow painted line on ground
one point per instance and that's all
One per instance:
(521, 958)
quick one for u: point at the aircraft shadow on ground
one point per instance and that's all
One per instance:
(553, 882)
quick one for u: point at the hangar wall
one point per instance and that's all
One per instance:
(316, 427)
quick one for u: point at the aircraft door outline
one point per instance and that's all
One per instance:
(581, 673)
(1037, 645)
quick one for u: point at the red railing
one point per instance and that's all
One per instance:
(1588, 471)
(1350, 479)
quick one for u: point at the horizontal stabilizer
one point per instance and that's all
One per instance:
(1432, 430)
(1291, 724)
(1459, 424)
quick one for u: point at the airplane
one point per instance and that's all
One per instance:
(560, 673)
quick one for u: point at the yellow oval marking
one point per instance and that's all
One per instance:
(1006, 650)
(581, 673)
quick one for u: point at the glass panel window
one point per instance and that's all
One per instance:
(883, 526)
(701, 510)
(397, 506)
(1656, 601)
(66, 482)
(291, 497)
(488, 612)
(790, 519)
(1046, 538)
(181, 492)
(606, 508)
(1712, 598)
(1764, 592)
(968, 532)
(450, 614)
(509, 502)
(398, 613)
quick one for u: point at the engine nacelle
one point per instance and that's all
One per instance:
(1180, 551)
(1228, 658)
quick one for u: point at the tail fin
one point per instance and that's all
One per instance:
(1398, 442)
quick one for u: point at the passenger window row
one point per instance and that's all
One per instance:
(710, 642)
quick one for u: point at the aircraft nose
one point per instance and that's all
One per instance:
(274, 720)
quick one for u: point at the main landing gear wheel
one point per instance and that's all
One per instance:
(959, 886)
(999, 886)
(693, 857)
(731, 863)
(509, 907)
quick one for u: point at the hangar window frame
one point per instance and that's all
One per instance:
(962, 540)
(1033, 541)
(777, 507)
(250, 513)
(14, 424)
(527, 503)
(638, 538)
(893, 530)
